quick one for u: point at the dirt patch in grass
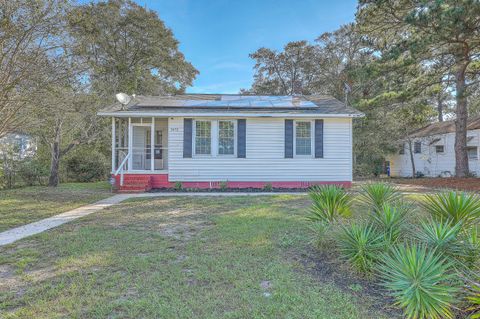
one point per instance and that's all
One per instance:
(465, 184)
(327, 269)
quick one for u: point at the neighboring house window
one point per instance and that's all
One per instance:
(472, 152)
(226, 137)
(401, 149)
(439, 149)
(417, 147)
(303, 138)
(203, 137)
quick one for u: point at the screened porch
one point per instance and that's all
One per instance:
(134, 140)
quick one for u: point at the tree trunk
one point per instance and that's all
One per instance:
(54, 179)
(440, 109)
(461, 157)
(412, 158)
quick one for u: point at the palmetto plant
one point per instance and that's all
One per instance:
(390, 220)
(361, 245)
(329, 203)
(442, 236)
(471, 246)
(474, 300)
(419, 280)
(453, 206)
(375, 195)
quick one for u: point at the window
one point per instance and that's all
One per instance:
(226, 137)
(417, 147)
(472, 152)
(303, 138)
(439, 149)
(203, 137)
(401, 149)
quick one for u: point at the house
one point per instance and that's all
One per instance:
(434, 150)
(17, 146)
(240, 141)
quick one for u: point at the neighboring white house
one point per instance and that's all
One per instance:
(434, 153)
(17, 145)
(243, 141)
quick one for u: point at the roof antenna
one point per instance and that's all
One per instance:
(347, 90)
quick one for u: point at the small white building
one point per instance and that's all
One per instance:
(434, 151)
(240, 141)
(18, 146)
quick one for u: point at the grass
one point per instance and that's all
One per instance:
(176, 258)
(25, 205)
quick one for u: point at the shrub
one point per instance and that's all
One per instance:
(33, 171)
(474, 300)
(361, 246)
(223, 186)
(329, 203)
(419, 280)
(374, 196)
(471, 246)
(86, 166)
(178, 186)
(390, 220)
(268, 187)
(319, 230)
(453, 207)
(440, 235)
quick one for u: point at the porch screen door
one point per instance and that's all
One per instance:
(138, 148)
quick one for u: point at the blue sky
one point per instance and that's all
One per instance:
(216, 36)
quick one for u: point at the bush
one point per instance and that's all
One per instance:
(223, 186)
(419, 280)
(474, 300)
(441, 236)
(361, 246)
(390, 220)
(178, 186)
(375, 195)
(86, 166)
(33, 171)
(268, 187)
(453, 207)
(329, 203)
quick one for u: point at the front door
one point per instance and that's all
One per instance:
(139, 144)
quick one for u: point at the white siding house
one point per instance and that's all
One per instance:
(434, 153)
(204, 141)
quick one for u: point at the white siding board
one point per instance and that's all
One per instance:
(265, 156)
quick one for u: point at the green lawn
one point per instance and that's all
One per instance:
(25, 205)
(235, 257)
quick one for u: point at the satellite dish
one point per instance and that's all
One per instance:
(123, 98)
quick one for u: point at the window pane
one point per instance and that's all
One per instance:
(303, 138)
(472, 152)
(226, 137)
(417, 147)
(203, 137)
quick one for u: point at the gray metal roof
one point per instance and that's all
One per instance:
(230, 103)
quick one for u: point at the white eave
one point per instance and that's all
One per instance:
(225, 114)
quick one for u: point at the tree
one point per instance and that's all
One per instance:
(30, 31)
(127, 48)
(427, 33)
(292, 71)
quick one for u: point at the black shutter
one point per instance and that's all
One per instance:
(318, 138)
(288, 138)
(241, 138)
(187, 138)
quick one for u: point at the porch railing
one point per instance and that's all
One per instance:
(121, 168)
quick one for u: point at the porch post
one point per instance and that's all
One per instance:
(152, 145)
(113, 145)
(130, 142)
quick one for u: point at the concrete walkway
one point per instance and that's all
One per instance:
(14, 234)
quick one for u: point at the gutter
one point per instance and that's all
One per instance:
(229, 114)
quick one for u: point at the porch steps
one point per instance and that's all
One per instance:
(135, 184)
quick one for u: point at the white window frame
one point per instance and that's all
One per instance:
(312, 139)
(194, 138)
(234, 137)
